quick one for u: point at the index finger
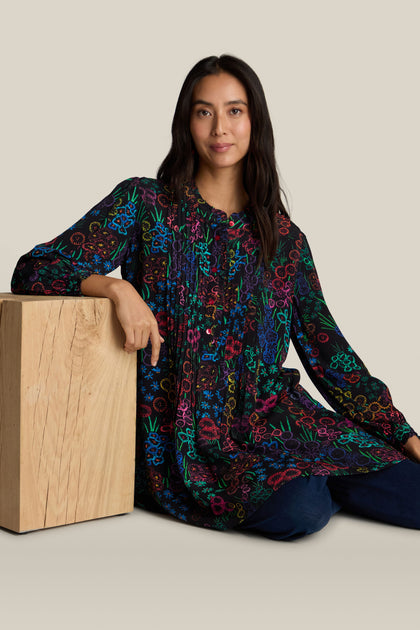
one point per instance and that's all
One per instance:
(156, 343)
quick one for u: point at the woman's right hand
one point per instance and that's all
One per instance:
(135, 316)
(138, 322)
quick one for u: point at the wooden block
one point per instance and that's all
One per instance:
(67, 412)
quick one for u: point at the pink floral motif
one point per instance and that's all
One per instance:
(193, 337)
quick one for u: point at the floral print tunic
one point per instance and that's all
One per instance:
(221, 424)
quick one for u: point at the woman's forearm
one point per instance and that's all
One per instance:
(103, 286)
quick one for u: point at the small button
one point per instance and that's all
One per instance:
(231, 223)
(208, 331)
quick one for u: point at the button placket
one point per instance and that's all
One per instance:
(211, 340)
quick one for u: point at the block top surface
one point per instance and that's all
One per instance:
(43, 298)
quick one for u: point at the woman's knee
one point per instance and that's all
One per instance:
(316, 519)
(294, 511)
(304, 521)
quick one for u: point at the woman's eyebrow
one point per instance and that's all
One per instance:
(235, 102)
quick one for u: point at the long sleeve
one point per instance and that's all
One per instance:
(334, 367)
(96, 243)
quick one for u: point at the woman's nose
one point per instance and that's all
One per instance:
(219, 126)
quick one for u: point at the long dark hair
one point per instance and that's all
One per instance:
(260, 176)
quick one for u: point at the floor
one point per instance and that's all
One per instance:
(152, 571)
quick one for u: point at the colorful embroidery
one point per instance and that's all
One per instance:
(221, 423)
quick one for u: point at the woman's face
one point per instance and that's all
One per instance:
(220, 124)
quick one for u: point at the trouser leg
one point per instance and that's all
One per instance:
(391, 495)
(300, 507)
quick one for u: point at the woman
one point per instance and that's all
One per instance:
(216, 280)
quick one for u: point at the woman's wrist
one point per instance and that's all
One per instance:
(118, 288)
(412, 448)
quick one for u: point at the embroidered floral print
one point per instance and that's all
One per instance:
(221, 423)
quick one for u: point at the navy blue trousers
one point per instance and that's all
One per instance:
(305, 505)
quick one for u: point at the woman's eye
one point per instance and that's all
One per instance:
(203, 112)
(235, 111)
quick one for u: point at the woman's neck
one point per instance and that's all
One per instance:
(222, 189)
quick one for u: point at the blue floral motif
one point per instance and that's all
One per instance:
(124, 219)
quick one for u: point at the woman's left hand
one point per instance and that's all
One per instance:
(412, 448)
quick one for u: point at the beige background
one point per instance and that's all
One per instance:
(89, 90)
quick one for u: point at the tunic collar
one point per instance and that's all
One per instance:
(215, 215)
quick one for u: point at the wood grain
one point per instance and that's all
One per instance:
(67, 412)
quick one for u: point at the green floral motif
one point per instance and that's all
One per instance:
(346, 361)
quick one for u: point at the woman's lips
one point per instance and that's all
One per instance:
(220, 148)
